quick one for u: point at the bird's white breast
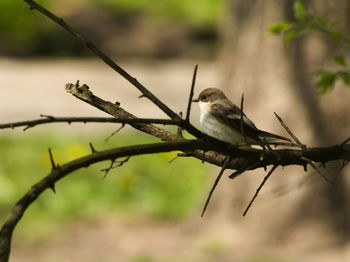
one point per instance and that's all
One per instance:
(212, 127)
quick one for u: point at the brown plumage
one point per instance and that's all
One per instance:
(221, 119)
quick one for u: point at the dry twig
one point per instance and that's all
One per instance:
(227, 160)
(259, 188)
(188, 112)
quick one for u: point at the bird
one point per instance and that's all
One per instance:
(221, 119)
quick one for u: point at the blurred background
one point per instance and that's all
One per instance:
(149, 210)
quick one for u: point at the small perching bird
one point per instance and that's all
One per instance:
(221, 119)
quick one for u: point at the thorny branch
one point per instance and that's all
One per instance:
(227, 160)
(259, 188)
(188, 112)
(241, 120)
(310, 162)
(46, 119)
(216, 152)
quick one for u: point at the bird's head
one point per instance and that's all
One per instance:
(210, 95)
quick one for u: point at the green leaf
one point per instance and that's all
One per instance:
(319, 22)
(336, 36)
(340, 60)
(320, 72)
(345, 76)
(293, 33)
(347, 39)
(299, 9)
(326, 81)
(334, 24)
(279, 27)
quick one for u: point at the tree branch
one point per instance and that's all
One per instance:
(259, 188)
(207, 149)
(57, 174)
(71, 119)
(189, 104)
(132, 80)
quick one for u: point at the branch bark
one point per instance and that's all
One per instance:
(46, 119)
(207, 148)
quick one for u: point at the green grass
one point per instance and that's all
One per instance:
(26, 32)
(146, 186)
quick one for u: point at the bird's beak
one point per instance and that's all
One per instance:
(195, 100)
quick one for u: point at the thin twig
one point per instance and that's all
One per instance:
(18, 210)
(273, 143)
(344, 163)
(227, 160)
(84, 93)
(312, 164)
(309, 161)
(92, 148)
(188, 112)
(116, 131)
(242, 120)
(69, 120)
(112, 166)
(289, 131)
(345, 141)
(52, 161)
(259, 188)
(178, 156)
(242, 170)
(180, 128)
(145, 92)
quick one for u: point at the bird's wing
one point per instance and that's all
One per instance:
(230, 115)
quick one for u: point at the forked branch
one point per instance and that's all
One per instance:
(207, 149)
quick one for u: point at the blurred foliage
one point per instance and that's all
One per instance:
(305, 23)
(144, 186)
(202, 13)
(26, 32)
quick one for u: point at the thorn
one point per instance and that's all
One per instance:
(116, 131)
(223, 168)
(305, 167)
(117, 103)
(27, 127)
(178, 156)
(173, 159)
(235, 174)
(119, 163)
(47, 116)
(180, 129)
(106, 170)
(93, 150)
(52, 187)
(242, 170)
(141, 96)
(53, 165)
(345, 142)
(259, 188)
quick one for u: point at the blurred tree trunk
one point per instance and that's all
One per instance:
(277, 77)
(324, 200)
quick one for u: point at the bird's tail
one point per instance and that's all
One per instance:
(264, 134)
